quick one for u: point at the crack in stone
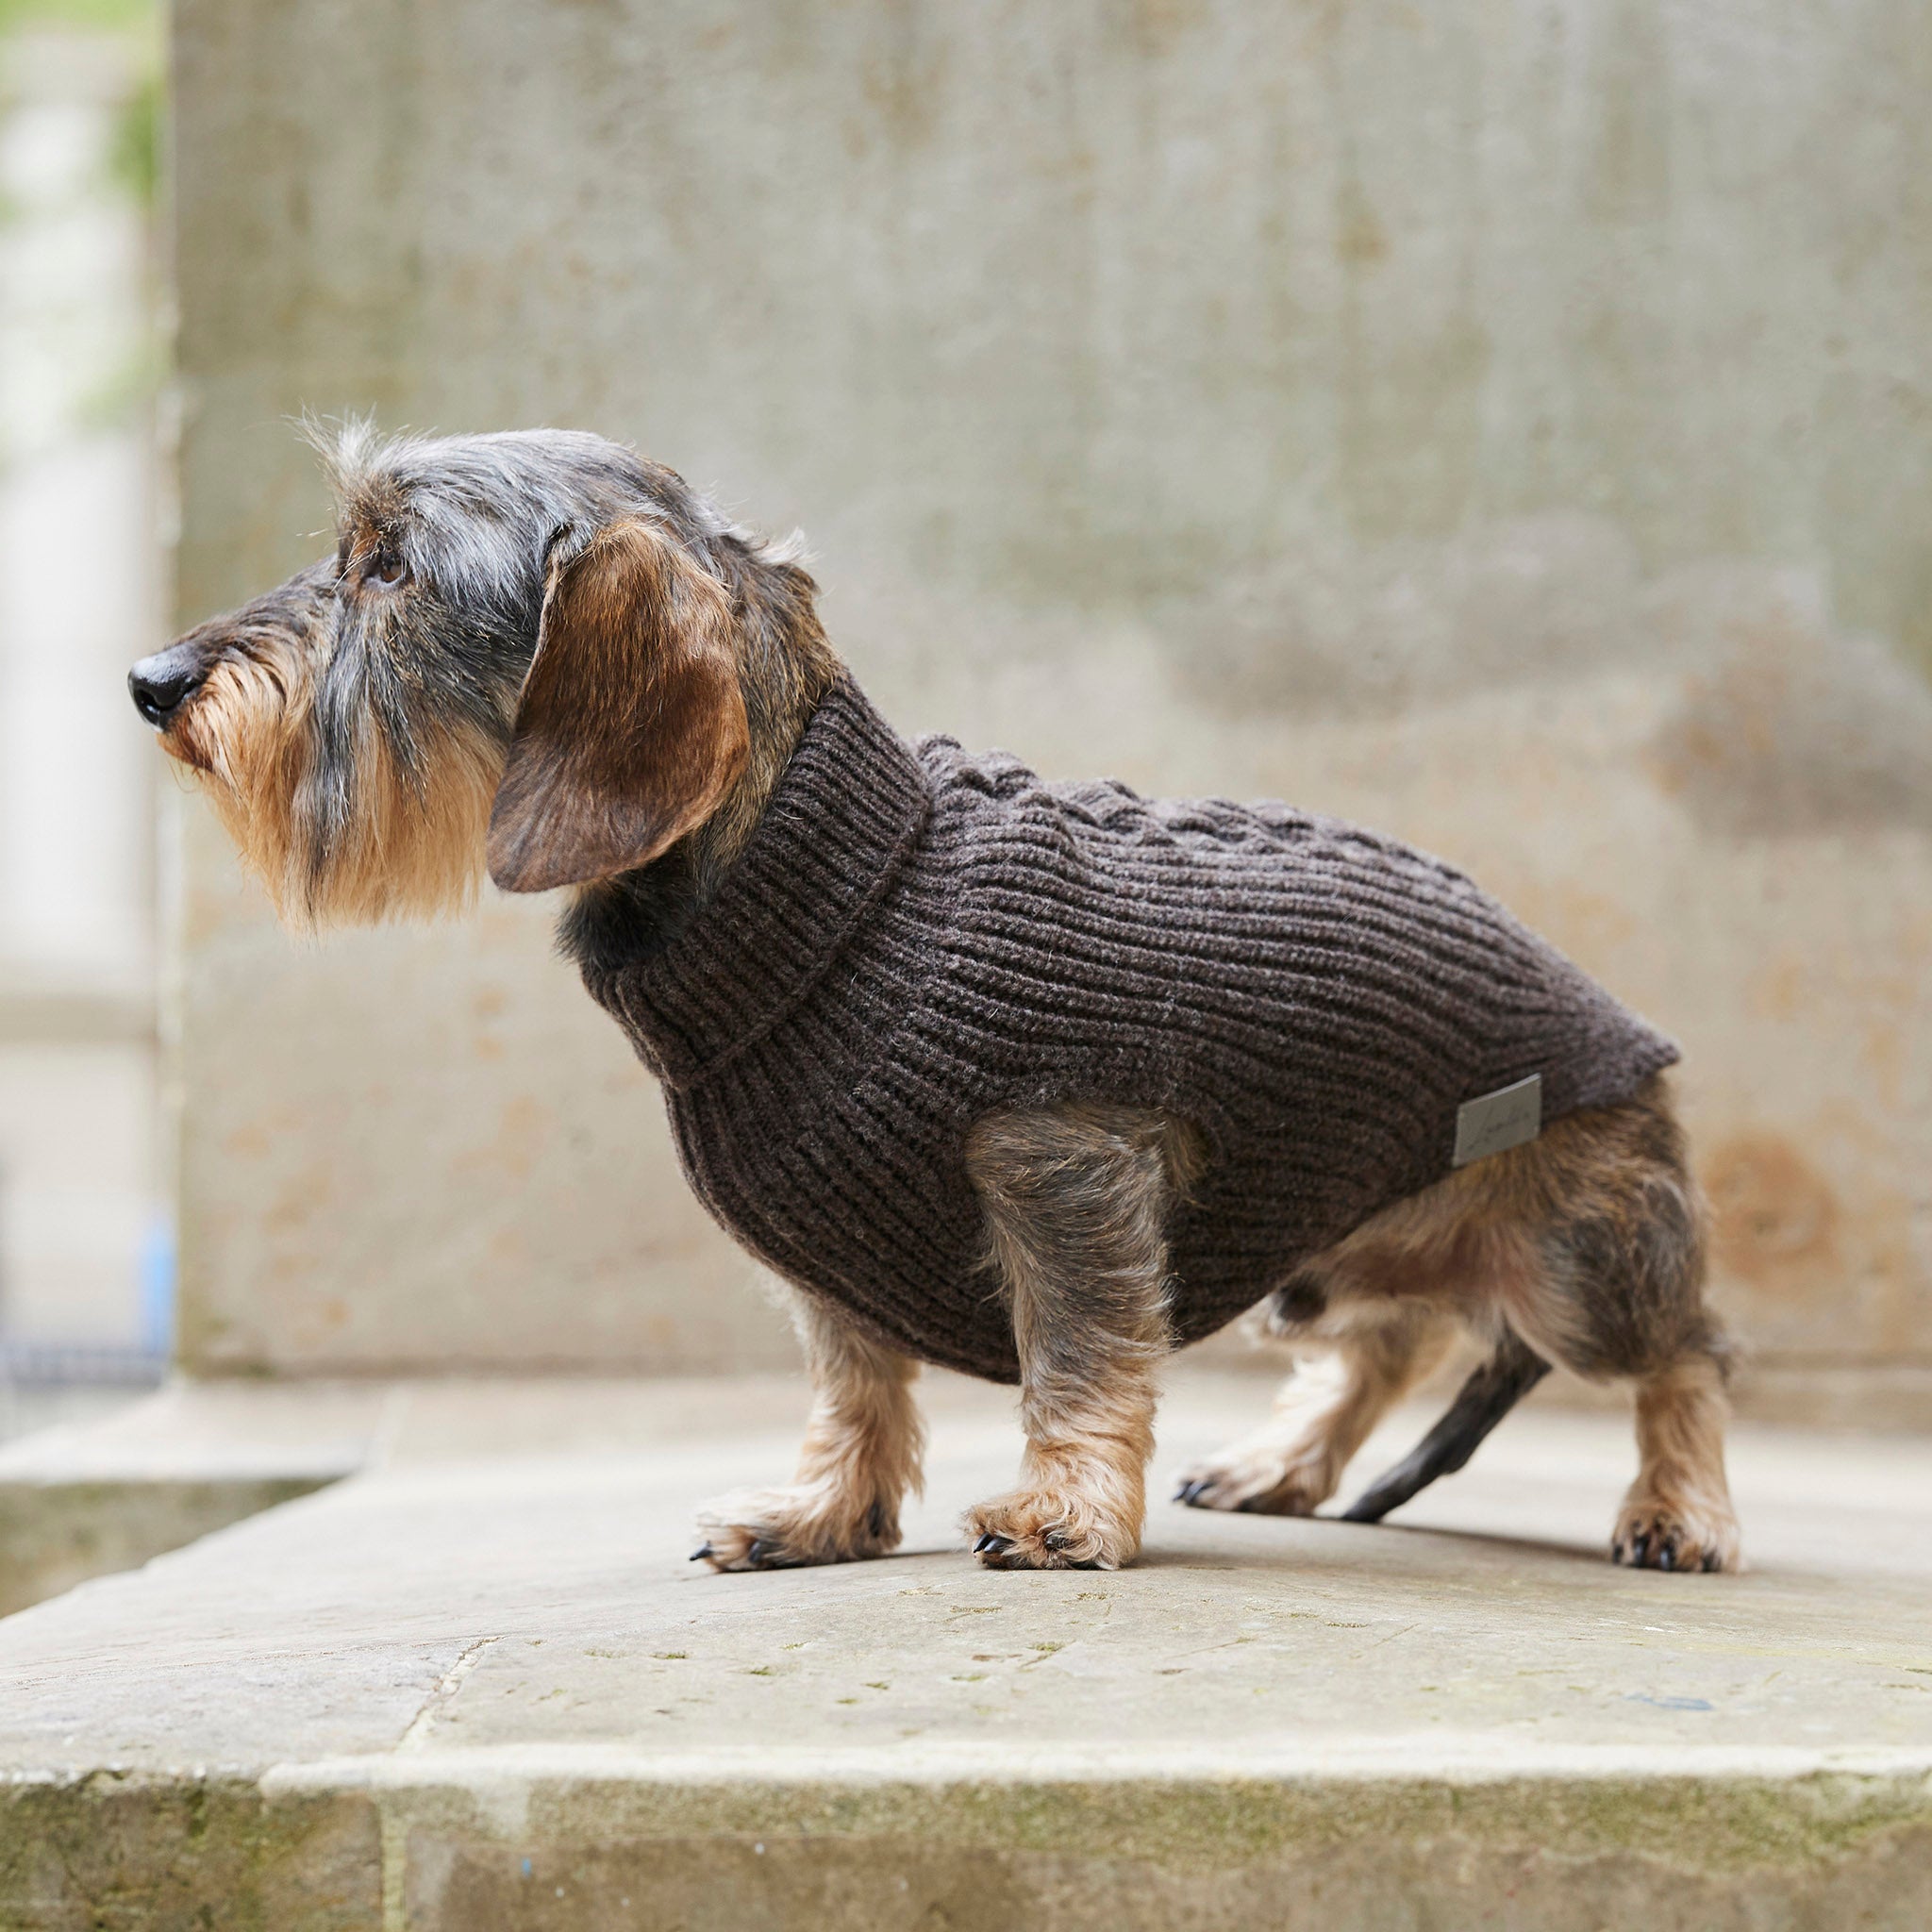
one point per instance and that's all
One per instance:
(394, 1826)
(417, 1735)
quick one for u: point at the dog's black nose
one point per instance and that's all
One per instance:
(161, 684)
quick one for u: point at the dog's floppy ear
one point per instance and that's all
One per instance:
(631, 725)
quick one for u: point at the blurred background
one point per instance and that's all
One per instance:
(1507, 425)
(85, 1241)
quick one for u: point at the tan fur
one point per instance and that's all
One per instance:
(785, 666)
(406, 854)
(241, 739)
(1677, 1515)
(631, 728)
(1468, 1243)
(1076, 1201)
(860, 1459)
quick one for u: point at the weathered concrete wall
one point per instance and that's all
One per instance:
(1508, 425)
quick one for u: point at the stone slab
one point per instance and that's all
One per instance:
(472, 1689)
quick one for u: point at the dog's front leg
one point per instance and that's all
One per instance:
(860, 1457)
(1076, 1202)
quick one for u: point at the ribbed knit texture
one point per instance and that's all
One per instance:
(913, 937)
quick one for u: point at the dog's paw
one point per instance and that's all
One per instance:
(1049, 1529)
(1652, 1535)
(786, 1529)
(1270, 1479)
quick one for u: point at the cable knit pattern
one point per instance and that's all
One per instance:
(913, 937)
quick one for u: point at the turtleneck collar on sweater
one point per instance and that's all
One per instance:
(846, 813)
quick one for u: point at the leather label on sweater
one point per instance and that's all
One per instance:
(1493, 1122)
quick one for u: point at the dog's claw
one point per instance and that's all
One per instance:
(1192, 1492)
(760, 1548)
(698, 1555)
(991, 1545)
(1669, 1548)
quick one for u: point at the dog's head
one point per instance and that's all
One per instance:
(526, 649)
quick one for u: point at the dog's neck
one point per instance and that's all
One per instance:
(785, 667)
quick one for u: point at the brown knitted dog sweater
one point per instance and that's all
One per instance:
(915, 936)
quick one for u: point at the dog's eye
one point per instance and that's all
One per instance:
(386, 570)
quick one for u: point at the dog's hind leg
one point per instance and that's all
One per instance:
(1679, 1515)
(1322, 1414)
(860, 1457)
(1617, 1290)
(1076, 1200)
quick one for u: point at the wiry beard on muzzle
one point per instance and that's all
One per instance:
(343, 795)
(389, 819)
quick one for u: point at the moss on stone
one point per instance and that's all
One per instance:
(216, 1850)
(1708, 1823)
(162, 1852)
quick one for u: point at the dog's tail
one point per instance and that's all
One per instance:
(1511, 1372)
